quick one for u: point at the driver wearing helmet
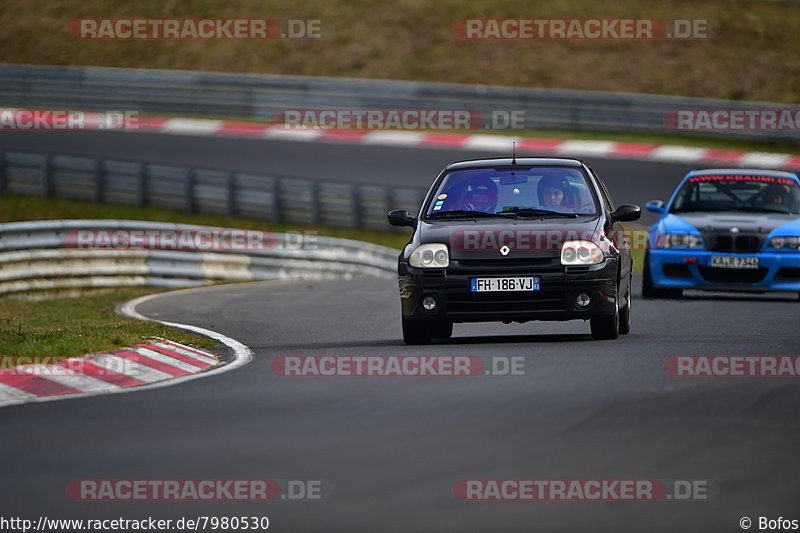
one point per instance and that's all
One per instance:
(481, 195)
(774, 195)
(552, 189)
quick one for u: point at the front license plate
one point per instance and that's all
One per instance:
(529, 283)
(730, 261)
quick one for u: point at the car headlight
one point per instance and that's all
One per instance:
(581, 253)
(791, 243)
(433, 255)
(679, 240)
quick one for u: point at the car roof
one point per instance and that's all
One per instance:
(742, 172)
(522, 161)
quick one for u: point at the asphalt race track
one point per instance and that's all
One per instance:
(393, 447)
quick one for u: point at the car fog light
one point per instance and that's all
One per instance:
(583, 300)
(429, 303)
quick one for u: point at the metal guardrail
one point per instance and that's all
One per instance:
(271, 198)
(40, 256)
(261, 96)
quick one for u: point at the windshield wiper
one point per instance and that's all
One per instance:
(761, 210)
(461, 213)
(743, 209)
(536, 212)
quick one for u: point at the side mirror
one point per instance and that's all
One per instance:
(656, 206)
(626, 213)
(400, 217)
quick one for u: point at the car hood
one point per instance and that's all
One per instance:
(751, 223)
(525, 238)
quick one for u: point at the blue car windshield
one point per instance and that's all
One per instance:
(738, 193)
(523, 190)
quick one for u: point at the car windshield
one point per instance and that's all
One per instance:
(738, 193)
(513, 191)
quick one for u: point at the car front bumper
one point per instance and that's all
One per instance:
(555, 300)
(691, 269)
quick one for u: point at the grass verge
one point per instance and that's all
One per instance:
(76, 326)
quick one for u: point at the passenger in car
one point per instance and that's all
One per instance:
(774, 196)
(555, 191)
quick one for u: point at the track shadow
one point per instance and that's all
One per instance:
(505, 339)
(455, 341)
(727, 297)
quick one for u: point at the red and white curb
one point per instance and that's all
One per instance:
(475, 142)
(155, 364)
(101, 372)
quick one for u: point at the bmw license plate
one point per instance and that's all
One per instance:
(731, 261)
(529, 283)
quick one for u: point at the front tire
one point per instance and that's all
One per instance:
(606, 327)
(421, 332)
(625, 313)
(649, 291)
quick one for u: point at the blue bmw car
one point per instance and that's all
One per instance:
(726, 229)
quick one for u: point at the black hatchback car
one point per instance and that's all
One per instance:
(514, 240)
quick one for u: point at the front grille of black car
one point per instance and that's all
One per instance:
(788, 274)
(732, 275)
(482, 267)
(507, 262)
(433, 273)
(732, 243)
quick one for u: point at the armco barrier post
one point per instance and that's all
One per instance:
(99, 180)
(388, 199)
(230, 194)
(316, 216)
(47, 176)
(189, 192)
(277, 208)
(358, 216)
(2, 171)
(141, 185)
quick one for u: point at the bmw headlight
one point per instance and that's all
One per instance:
(680, 240)
(432, 255)
(581, 253)
(790, 243)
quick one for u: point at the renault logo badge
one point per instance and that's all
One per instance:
(504, 250)
(734, 230)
